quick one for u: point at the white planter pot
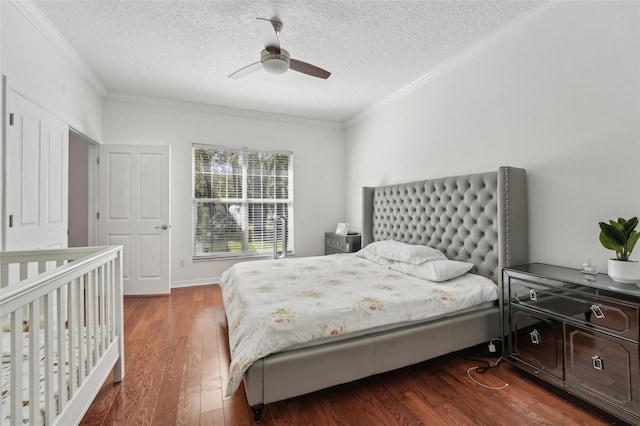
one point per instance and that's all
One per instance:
(627, 272)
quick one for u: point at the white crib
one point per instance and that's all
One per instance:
(62, 320)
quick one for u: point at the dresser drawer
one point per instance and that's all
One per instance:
(614, 317)
(337, 243)
(603, 365)
(538, 341)
(341, 243)
(330, 250)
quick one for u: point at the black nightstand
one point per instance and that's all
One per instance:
(341, 243)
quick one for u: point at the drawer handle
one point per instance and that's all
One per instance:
(535, 337)
(533, 294)
(598, 363)
(598, 311)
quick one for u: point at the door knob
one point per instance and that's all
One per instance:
(162, 227)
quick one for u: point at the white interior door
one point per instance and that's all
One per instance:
(37, 173)
(134, 211)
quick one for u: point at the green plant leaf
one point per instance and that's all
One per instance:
(605, 242)
(617, 225)
(632, 240)
(614, 235)
(630, 225)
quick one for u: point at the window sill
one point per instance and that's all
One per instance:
(237, 257)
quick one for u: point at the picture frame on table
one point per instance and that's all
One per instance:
(342, 228)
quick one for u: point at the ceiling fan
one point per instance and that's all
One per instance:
(273, 58)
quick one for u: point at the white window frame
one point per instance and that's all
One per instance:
(245, 201)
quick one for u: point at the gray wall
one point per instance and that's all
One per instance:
(78, 191)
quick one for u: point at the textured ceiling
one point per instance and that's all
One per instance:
(184, 50)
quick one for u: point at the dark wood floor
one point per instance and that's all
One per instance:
(176, 370)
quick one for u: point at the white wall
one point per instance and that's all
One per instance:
(2, 225)
(37, 66)
(42, 73)
(318, 170)
(560, 99)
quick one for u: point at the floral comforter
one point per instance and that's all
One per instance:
(276, 304)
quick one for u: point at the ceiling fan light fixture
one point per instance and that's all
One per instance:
(275, 63)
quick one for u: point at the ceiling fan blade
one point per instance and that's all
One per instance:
(309, 69)
(268, 35)
(249, 69)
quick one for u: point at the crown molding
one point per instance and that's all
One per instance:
(214, 109)
(39, 20)
(539, 13)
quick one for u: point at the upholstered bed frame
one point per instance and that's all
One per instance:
(480, 218)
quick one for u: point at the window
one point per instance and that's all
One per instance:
(237, 197)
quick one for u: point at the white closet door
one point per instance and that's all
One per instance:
(36, 173)
(134, 211)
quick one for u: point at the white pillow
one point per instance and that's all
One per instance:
(403, 252)
(374, 258)
(436, 270)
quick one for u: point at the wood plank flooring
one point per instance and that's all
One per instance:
(176, 371)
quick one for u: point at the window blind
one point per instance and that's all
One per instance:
(237, 197)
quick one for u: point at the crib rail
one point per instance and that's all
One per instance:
(63, 312)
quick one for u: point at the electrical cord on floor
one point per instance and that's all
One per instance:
(484, 368)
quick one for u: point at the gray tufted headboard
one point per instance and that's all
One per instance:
(479, 218)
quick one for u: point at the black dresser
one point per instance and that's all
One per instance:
(577, 331)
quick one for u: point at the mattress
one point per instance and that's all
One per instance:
(277, 305)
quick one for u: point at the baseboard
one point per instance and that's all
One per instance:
(195, 283)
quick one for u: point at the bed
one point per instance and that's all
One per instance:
(479, 219)
(62, 332)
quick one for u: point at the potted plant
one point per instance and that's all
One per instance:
(621, 237)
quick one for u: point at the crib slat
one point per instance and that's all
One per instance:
(90, 320)
(98, 342)
(72, 338)
(94, 315)
(82, 370)
(17, 366)
(34, 361)
(60, 347)
(110, 307)
(101, 309)
(105, 308)
(49, 354)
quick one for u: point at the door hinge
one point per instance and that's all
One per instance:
(10, 221)
(98, 215)
(11, 119)
(98, 160)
